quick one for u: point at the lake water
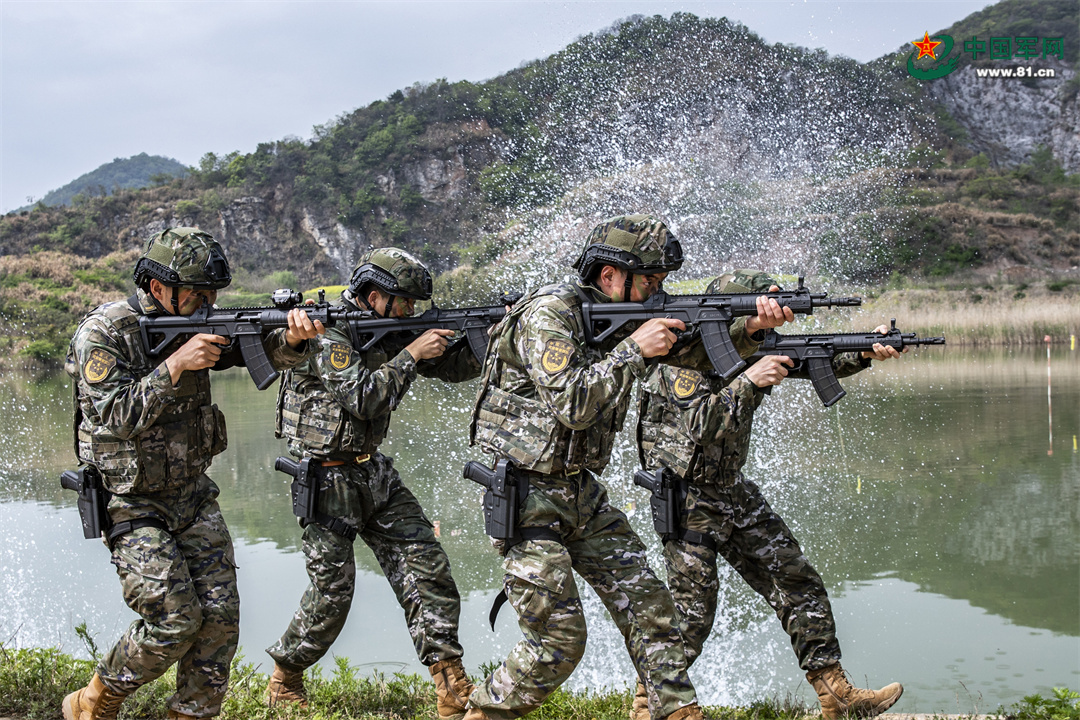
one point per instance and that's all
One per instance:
(939, 500)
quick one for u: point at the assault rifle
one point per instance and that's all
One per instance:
(710, 314)
(813, 354)
(246, 326)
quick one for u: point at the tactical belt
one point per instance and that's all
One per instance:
(523, 534)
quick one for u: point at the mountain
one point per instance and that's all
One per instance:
(760, 154)
(137, 171)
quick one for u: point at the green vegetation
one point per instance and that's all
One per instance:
(33, 683)
(138, 171)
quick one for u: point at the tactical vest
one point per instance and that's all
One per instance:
(316, 424)
(664, 438)
(177, 447)
(517, 424)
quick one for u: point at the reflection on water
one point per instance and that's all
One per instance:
(926, 498)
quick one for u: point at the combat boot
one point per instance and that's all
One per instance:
(639, 708)
(173, 715)
(475, 713)
(93, 702)
(453, 687)
(838, 697)
(687, 712)
(286, 686)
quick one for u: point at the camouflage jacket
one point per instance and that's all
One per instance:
(338, 402)
(698, 427)
(550, 401)
(144, 434)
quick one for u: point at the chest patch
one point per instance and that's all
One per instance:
(557, 354)
(98, 365)
(340, 356)
(686, 383)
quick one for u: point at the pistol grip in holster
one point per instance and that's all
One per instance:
(505, 489)
(92, 500)
(304, 488)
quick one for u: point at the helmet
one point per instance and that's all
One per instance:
(640, 244)
(741, 281)
(185, 257)
(393, 271)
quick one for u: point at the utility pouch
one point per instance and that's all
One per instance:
(305, 489)
(86, 481)
(505, 488)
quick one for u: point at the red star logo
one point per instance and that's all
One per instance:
(926, 46)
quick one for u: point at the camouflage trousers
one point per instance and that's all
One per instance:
(597, 542)
(183, 586)
(372, 498)
(758, 544)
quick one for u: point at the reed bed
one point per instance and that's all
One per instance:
(978, 317)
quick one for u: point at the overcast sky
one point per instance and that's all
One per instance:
(82, 83)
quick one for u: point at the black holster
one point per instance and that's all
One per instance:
(305, 496)
(505, 489)
(93, 498)
(667, 500)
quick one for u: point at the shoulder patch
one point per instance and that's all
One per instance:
(557, 354)
(686, 383)
(98, 365)
(340, 356)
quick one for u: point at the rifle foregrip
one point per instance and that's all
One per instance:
(258, 364)
(722, 354)
(824, 379)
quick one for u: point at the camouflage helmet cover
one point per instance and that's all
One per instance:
(183, 257)
(393, 271)
(741, 281)
(641, 244)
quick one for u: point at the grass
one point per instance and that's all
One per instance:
(33, 683)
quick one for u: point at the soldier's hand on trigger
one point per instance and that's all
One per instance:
(769, 370)
(431, 344)
(770, 314)
(201, 351)
(655, 337)
(301, 328)
(882, 352)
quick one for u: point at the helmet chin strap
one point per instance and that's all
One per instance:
(626, 288)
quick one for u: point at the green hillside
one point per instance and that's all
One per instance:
(138, 171)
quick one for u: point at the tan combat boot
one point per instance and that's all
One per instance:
(93, 702)
(687, 712)
(475, 713)
(838, 697)
(453, 687)
(286, 686)
(639, 708)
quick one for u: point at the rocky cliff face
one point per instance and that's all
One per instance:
(1007, 119)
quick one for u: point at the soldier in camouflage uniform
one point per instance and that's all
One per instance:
(552, 404)
(699, 428)
(335, 408)
(150, 429)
